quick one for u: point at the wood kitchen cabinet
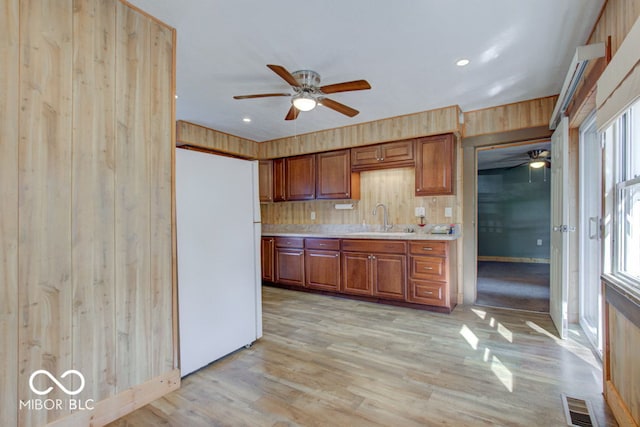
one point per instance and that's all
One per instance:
(300, 177)
(334, 177)
(435, 165)
(374, 268)
(432, 273)
(279, 184)
(382, 156)
(322, 264)
(289, 260)
(265, 180)
(267, 248)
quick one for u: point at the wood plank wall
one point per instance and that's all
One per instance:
(433, 122)
(616, 19)
(211, 139)
(510, 117)
(87, 128)
(9, 96)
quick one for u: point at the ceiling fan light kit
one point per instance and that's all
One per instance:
(537, 164)
(308, 93)
(304, 102)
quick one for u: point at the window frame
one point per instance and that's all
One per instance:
(622, 136)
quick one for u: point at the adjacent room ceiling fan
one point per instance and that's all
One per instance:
(537, 159)
(308, 93)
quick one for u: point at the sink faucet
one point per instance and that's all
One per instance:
(386, 226)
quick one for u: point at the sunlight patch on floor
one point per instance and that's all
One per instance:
(506, 333)
(468, 335)
(502, 372)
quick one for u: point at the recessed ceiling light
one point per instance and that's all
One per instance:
(246, 119)
(462, 62)
(176, 96)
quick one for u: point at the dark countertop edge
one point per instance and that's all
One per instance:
(448, 237)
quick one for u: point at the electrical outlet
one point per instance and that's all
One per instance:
(539, 242)
(420, 211)
(313, 215)
(448, 212)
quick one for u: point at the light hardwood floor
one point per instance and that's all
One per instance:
(326, 361)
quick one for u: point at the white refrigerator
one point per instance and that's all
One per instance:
(218, 238)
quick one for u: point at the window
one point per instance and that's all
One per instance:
(624, 133)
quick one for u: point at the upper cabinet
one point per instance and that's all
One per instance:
(435, 165)
(265, 180)
(334, 178)
(279, 180)
(382, 156)
(300, 177)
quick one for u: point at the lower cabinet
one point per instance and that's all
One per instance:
(374, 268)
(322, 264)
(289, 261)
(267, 247)
(418, 272)
(432, 273)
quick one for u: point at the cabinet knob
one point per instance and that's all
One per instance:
(428, 292)
(373, 257)
(337, 255)
(427, 249)
(428, 268)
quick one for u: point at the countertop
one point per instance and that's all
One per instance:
(390, 235)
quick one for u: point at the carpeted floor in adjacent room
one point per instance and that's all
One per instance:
(516, 285)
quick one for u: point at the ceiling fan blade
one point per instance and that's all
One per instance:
(262, 95)
(292, 114)
(284, 74)
(346, 86)
(340, 108)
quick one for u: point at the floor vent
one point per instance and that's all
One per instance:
(578, 412)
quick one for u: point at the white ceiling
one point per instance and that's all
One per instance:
(406, 50)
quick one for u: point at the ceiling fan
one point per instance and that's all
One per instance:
(307, 92)
(537, 159)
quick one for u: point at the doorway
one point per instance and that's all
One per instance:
(514, 221)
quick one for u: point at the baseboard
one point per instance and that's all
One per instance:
(514, 259)
(618, 407)
(114, 407)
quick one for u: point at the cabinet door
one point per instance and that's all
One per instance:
(395, 152)
(381, 156)
(389, 275)
(265, 180)
(290, 266)
(279, 181)
(301, 177)
(322, 270)
(266, 251)
(334, 179)
(365, 156)
(356, 273)
(435, 165)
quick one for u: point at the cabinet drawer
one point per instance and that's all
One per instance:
(377, 246)
(429, 248)
(427, 267)
(323, 244)
(290, 242)
(428, 293)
